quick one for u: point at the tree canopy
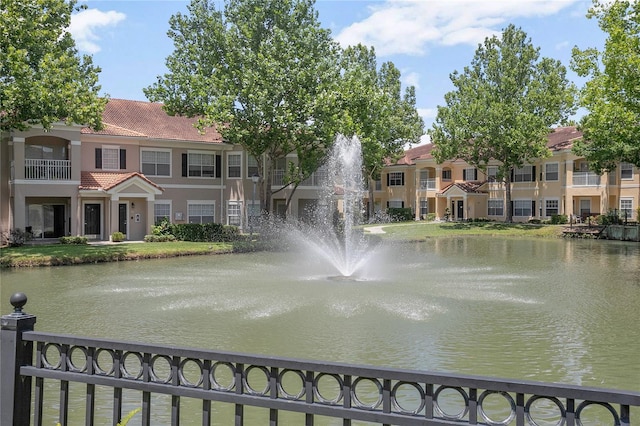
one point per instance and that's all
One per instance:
(43, 80)
(373, 108)
(264, 71)
(612, 95)
(503, 107)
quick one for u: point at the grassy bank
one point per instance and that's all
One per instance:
(58, 254)
(422, 230)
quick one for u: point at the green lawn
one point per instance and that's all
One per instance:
(421, 230)
(69, 254)
(59, 254)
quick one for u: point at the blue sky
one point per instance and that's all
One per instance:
(425, 39)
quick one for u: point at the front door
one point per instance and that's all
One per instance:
(460, 213)
(585, 207)
(122, 218)
(92, 220)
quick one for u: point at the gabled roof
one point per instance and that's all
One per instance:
(410, 155)
(468, 187)
(106, 180)
(139, 119)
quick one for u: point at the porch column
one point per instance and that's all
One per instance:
(74, 214)
(150, 215)
(111, 221)
(467, 207)
(18, 157)
(76, 160)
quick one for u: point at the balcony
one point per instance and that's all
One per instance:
(47, 169)
(428, 184)
(316, 178)
(586, 179)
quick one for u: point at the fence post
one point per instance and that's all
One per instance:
(15, 398)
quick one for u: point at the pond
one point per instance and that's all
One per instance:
(549, 310)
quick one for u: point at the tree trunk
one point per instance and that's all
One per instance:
(507, 184)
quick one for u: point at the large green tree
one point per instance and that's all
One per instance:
(503, 107)
(264, 71)
(373, 107)
(612, 95)
(43, 80)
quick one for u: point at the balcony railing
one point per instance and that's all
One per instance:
(586, 179)
(428, 184)
(310, 388)
(47, 169)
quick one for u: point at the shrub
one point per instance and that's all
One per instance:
(207, 232)
(400, 214)
(117, 237)
(559, 219)
(431, 217)
(17, 237)
(74, 240)
(163, 227)
(535, 221)
(159, 238)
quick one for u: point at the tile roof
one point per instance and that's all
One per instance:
(559, 139)
(468, 187)
(107, 180)
(140, 119)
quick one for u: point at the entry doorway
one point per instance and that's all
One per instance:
(460, 210)
(92, 220)
(123, 214)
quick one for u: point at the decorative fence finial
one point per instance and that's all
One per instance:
(18, 300)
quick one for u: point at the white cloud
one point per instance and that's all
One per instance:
(412, 79)
(427, 114)
(85, 23)
(409, 27)
(562, 45)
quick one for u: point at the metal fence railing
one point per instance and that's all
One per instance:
(275, 385)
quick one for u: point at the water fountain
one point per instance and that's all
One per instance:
(332, 234)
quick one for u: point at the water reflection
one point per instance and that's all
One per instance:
(562, 311)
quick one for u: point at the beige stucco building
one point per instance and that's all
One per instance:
(559, 184)
(143, 166)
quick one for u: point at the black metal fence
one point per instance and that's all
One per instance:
(315, 390)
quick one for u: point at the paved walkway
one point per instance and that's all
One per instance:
(375, 230)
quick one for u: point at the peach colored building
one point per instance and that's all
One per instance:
(559, 184)
(143, 166)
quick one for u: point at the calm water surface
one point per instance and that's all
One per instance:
(549, 310)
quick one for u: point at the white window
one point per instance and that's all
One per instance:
(626, 208)
(234, 165)
(161, 210)
(551, 172)
(495, 207)
(201, 212)
(524, 174)
(110, 158)
(470, 174)
(492, 173)
(201, 165)
(626, 171)
(551, 207)
(155, 163)
(424, 207)
(446, 174)
(395, 179)
(234, 213)
(396, 204)
(252, 166)
(522, 208)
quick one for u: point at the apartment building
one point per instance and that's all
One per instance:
(143, 166)
(559, 184)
